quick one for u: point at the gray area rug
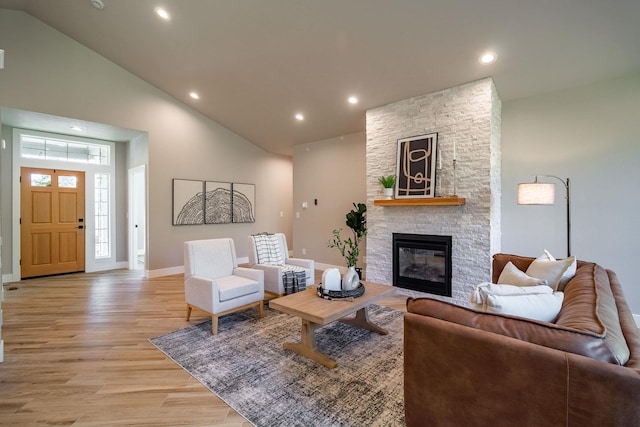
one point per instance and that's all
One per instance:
(246, 366)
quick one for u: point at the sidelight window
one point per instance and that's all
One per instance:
(103, 246)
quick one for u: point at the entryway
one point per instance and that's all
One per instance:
(52, 222)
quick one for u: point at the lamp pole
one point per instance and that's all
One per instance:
(567, 187)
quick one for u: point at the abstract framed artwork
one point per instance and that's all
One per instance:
(416, 166)
(188, 202)
(243, 202)
(217, 202)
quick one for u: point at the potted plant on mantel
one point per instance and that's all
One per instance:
(388, 182)
(349, 248)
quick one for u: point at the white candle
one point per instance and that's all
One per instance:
(454, 150)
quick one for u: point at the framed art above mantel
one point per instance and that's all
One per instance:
(416, 167)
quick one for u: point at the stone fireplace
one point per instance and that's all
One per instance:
(469, 117)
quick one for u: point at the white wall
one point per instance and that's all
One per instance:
(590, 134)
(47, 72)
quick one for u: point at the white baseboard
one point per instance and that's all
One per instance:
(8, 278)
(150, 274)
(161, 272)
(636, 317)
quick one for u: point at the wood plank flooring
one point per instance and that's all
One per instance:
(76, 353)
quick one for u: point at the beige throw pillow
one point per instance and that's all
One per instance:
(568, 275)
(511, 275)
(551, 271)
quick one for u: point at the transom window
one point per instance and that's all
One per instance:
(34, 147)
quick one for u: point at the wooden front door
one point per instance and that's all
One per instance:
(51, 222)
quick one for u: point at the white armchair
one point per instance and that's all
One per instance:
(214, 283)
(273, 264)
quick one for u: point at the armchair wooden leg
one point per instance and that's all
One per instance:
(189, 308)
(214, 325)
(261, 310)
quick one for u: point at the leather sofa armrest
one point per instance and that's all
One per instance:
(602, 394)
(459, 375)
(456, 375)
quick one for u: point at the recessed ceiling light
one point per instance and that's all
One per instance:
(353, 100)
(299, 117)
(194, 95)
(76, 128)
(488, 58)
(98, 4)
(162, 13)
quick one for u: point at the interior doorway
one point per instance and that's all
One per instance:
(137, 214)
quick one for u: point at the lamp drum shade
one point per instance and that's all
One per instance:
(536, 193)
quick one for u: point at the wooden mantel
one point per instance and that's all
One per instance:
(433, 201)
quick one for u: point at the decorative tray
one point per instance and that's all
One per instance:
(354, 293)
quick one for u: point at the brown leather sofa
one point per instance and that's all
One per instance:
(468, 368)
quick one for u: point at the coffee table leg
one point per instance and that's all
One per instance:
(362, 321)
(307, 345)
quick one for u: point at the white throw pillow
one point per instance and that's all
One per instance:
(544, 307)
(551, 271)
(483, 290)
(511, 275)
(568, 275)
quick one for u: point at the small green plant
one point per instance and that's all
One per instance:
(387, 181)
(348, 248)
(357, 222)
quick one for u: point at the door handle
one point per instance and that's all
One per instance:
(80, 227)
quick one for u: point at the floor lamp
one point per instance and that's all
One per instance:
(542, 193)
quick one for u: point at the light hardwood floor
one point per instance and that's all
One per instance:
(76, 353)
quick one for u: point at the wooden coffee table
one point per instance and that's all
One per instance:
(316, 312)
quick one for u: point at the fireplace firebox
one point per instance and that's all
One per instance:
(422, 263)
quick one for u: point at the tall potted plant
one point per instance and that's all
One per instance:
(356, 220)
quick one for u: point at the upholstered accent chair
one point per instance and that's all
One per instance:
(214, 283)
(269, 253)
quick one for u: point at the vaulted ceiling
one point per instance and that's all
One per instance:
(256, 64)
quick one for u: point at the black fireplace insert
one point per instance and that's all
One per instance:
(422, 262)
